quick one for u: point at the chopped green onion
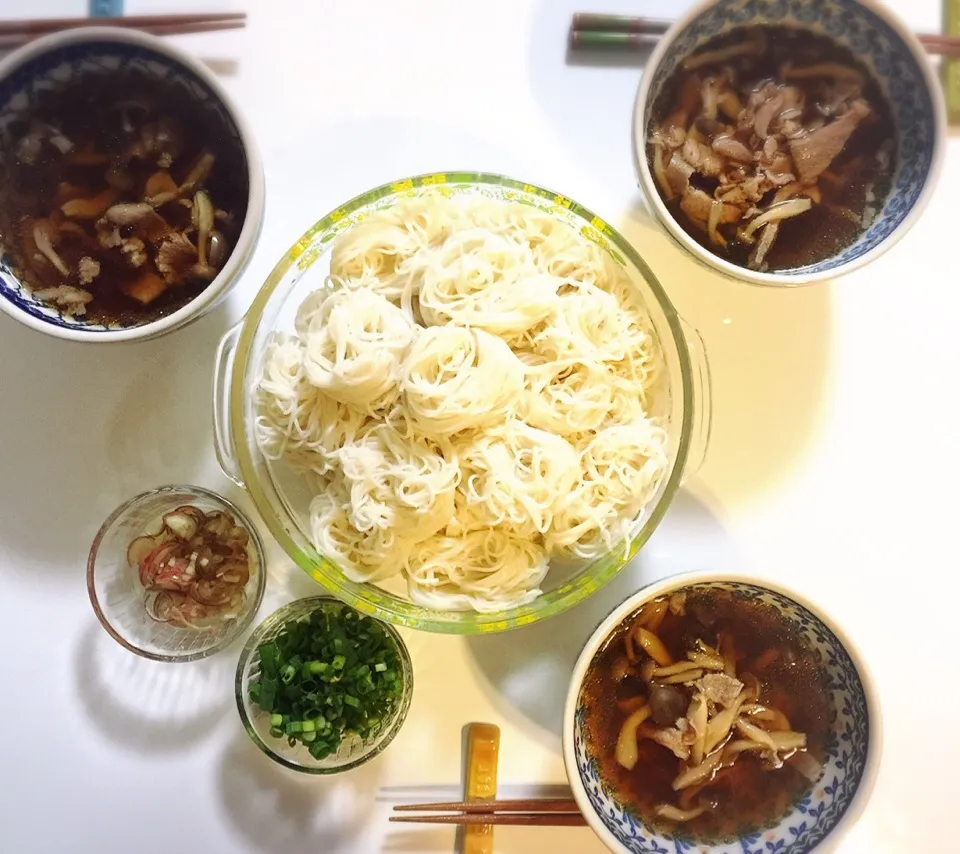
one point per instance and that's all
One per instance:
(326, 675)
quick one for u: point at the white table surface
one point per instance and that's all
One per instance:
(833, 465)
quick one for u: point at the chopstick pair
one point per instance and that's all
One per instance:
(529, 812)
(623, 33)
(16, 33)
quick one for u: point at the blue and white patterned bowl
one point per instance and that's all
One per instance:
(852, 751)
(889, 51)
(59, 59)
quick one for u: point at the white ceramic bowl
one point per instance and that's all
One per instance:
(895, 58)
(58, 59)
(852, 753)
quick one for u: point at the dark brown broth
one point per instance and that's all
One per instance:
(749, 796)
(87, 114)
(820, 233)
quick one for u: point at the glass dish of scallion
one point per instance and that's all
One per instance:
(322, 688)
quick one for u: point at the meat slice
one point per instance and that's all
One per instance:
(719, 688)
(678, 173)
(766, 113)
(703, 158)
(732, 148)
(696, 204)
(814, 152)
(672, 739)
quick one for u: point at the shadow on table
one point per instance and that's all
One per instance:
(150, 706)
(769, 351)
(528, 670)
(278, 810)
(85, 426)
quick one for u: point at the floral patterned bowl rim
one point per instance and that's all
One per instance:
(250, 232)
(742, 12)
(647, 840)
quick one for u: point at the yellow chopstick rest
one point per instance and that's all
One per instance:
(480, 783)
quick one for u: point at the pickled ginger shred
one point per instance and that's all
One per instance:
(472, 395)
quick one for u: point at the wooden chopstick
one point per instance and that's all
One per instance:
(40, 26)
(532, 805)
(8, 41)
(625, 33)
(517, 819)
(16, 33)
(540, 812)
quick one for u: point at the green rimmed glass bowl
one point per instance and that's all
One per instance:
(353, 750)
(283, 500)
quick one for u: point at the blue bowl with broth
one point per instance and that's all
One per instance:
(139, 82)
(808, 805)
(878, 200)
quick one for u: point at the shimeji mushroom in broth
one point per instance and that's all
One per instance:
(122, 199)
(708, 713)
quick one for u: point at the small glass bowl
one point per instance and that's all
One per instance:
(353, 751)
(118, 598)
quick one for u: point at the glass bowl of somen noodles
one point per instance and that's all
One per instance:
(461, 403)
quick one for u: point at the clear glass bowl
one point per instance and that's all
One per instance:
(118, 598)
(353, 750)
(283, 501)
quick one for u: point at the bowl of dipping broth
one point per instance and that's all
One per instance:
(785, 143)
(132, 191)
(720, 714)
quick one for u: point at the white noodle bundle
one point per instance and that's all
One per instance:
(355, 344)
(371, 255)
(516, 474)
(483, 280)
(475, 388)
(620, 468)
(296, 421)
(486, 570)
(456, 379)
(568, 397)
(398, 482)
(585, 322)
(372, 556)
(624, 464)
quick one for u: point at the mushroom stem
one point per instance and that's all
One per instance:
(698, 773)
(654, 647)
(672, 813)
(627, 752)
(777, 212)
(44, 235)
(202, 216)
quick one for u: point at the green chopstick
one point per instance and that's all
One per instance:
(585, 22)
(614, 33)
(611, 42)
